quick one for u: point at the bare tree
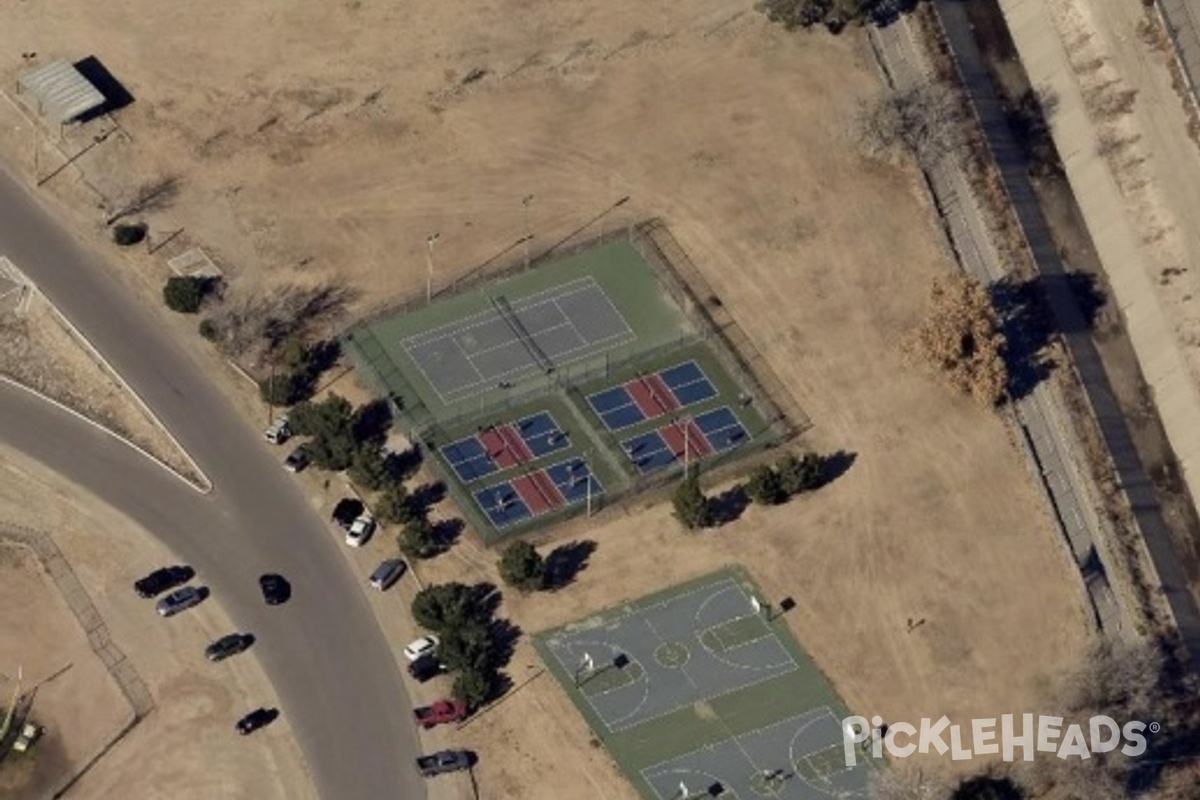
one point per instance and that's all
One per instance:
(961, 338)
(153, 195)
(257, 325)
(906, 780)
(925, 121)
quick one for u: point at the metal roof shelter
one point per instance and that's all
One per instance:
(61, 91)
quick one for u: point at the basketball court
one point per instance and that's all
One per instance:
(700, 691)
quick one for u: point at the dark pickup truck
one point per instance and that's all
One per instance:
(443, 762)
(440, 713)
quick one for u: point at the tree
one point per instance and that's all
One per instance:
(418, 540)
(765, 486)
(185, 293)
(282, 390)
(396, 505)
(833, 14)
(444, 607)
(368, 470)
(691, 506)
(798, 475)
(473, 688)
(467, 648)
(961, 337)
(522, 567)
(332, 415)
(925, 121)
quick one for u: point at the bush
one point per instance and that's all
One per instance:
(691, 506)
(765, 487)
(369, 470)
(126, 235)
(185, 294)
(417, 540)
(473, 688)
(522, 567)
(210, 331)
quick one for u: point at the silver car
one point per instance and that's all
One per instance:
(180, 600)
(387, 573)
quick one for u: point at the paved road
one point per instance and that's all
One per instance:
(337, 681)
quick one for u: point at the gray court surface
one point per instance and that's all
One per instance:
(800, 758)
(668, 656)
(530, 335)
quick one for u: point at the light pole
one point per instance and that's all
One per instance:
(430, 240)
(525, 201)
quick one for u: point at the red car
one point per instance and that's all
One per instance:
(440, 713)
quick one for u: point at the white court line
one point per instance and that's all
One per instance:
(486, 317)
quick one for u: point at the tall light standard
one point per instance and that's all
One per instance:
(430, 240)
(525, 201)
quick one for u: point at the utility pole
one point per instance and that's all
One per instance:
(525, 201)
(430, 240)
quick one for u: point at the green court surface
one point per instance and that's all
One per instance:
(548, 339)
(693, 685)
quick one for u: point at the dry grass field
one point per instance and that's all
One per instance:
(322, 142)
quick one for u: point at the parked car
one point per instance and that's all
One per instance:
(443, 762)
(275, 589)
(360, 530)
(297, 460)
(387, 573)
(279, 431)
(440, 713)
(160, 580)
(425, 668)
(179, 600)
(258, 718)
(29, 734)
(421, 647)
(227, 646)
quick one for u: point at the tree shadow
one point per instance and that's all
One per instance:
(987, 787)
(428, 494)
(566, 561)
(347, 510)
(835, 465)
(446, 533)
(486, 598)
(372, 421)
(1024, 309)
(729, 505)
(403, 465)
(504, 635)
(1177, 713)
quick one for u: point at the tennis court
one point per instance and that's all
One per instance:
(541, 491)
(689, 440)
(505, 446)
(536, 333)
(651, 396)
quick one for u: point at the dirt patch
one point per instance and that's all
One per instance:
(40, 350)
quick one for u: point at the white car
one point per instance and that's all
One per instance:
(360, 530)
(421, 647)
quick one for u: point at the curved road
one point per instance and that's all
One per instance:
(337, 681)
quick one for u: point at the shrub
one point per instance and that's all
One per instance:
(798, 475)
(185, 294)
(210, 331)
(691, 506)
(522, 567)
(396, 505)
(126, 235)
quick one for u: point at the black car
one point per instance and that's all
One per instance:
(425, 668)
(258, 718)
(296, 460)
(160, 580)
(227, 646)
(275, 589)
